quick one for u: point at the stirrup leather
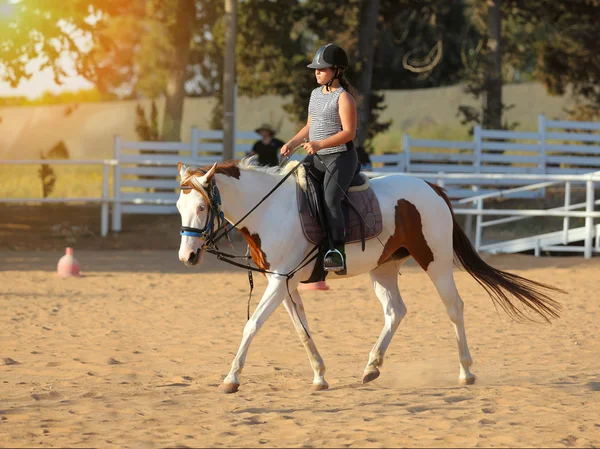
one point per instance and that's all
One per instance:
(334, 267)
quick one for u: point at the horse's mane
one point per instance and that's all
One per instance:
(251, 163)
(232, 169)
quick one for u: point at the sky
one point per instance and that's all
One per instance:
(41, 82)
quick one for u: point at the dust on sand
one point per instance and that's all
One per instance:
(131, 355)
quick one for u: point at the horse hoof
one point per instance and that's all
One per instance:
(370, 375)
(320, 387)
(467, 381)
(229, 388)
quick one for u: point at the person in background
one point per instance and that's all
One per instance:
(267, 148)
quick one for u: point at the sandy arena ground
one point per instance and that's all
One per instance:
(131, 355)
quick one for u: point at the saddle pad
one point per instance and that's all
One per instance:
(365, 202)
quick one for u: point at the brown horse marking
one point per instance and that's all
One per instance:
(258, 256)
(408, 238)
(228, 168)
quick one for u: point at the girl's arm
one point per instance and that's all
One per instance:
(347, 110)
(297, 139)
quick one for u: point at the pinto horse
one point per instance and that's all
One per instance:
(418, 222)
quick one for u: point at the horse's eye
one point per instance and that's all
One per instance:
(201, 207)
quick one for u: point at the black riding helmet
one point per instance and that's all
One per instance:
(330, 55)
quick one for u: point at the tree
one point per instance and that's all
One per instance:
(180, 30)
(317, 23)
(563, 36)
(492, 116)
(45, 31)
(174, 48)
(482, 56)
(369, 15)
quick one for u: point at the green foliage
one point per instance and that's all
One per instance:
(147, 131)
(47, 177)
(46, 173)
(132, 46)
(46, 30)
(552, 41)
(568, 56)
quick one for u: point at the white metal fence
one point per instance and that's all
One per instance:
(144, 177)
(557, 147)
(537, 243)
(104, 199)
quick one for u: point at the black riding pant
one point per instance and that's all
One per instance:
(340, 171)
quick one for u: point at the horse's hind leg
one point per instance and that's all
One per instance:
(385, 284)
(296, 311)
(440, 272)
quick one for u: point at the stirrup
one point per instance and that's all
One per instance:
(336, 267)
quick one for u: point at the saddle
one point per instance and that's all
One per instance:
(361, 211)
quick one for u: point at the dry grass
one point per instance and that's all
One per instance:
(23, 181)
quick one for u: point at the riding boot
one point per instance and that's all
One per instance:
(335, 259)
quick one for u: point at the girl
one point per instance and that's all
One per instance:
(328, 132)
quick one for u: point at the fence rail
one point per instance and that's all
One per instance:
(495, 163)
(104, 199)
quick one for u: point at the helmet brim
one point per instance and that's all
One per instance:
(322, 65)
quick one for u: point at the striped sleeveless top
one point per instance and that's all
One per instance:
(325, 117)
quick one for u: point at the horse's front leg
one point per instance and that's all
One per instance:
(274, 294)
(295, 308)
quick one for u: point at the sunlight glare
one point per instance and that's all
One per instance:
(7, 10)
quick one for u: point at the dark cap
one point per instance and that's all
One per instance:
(329, 55)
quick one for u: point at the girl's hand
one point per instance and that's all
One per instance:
(311, 147)
(286, 149)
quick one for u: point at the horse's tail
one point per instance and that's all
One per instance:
(498, 284)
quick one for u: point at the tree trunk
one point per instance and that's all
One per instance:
(369, 14)
(175, 95)
(492, 111)
(229, 80)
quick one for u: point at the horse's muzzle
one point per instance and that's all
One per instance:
(194, 258)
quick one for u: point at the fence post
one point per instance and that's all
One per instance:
(194, 147)
(440, 181)
(589, 221)
(478, 223)
(567, 208)
(542, 143)
(543, 160)
(116, 209)
(477, 148)
(104, 208)
(406, 148)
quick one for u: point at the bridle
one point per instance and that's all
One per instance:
(209, 231)
(212, 235)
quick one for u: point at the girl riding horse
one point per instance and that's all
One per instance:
(328, 133)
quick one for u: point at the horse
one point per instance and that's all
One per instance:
(418, 222)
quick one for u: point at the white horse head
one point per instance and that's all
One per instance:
(194, 207)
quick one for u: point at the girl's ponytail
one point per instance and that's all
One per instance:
(347, 86)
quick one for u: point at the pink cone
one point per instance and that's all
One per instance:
(67, 265)
(321, 285)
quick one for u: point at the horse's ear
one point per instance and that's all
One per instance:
(181, 169)
(204, 180)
